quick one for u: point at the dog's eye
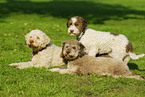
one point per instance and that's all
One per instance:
(38, 38)
(30, 36)
(66, 47)
(74, 48)
(76, 24)
(70, 23)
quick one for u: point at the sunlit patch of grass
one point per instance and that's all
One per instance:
(19, 17)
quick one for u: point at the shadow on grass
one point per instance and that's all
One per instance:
(134, 66)
(95, 13)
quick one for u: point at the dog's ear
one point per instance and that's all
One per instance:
(82, 49)
(68, 23)
(46, 40)
(62, 46)
(62, 55)
(84, 24)
(26, 38)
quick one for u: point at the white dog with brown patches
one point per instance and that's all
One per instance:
(97, 42)
(45, 54)
(73, 53)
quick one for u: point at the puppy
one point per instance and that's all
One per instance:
(97, 42)
(45, 54)
(73, 52)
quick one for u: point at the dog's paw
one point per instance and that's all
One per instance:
(142, 55)
(20, 67)
(55, 69)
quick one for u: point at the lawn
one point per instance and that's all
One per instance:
(19, 17)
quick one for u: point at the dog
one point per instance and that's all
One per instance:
(45, 54)
(73, 53)
(115, 45)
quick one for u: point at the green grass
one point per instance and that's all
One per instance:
(19, 17)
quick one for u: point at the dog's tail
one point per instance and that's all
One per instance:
(134, 56)
(129, 50)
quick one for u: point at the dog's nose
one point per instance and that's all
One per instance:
(31, 41)
(67, 52)
(71, 31)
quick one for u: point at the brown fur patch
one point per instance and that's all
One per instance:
(129, 47)
(81, 24)
(115, 34)
(69, 23)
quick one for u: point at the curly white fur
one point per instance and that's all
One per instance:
(103, 42)
(48, 54)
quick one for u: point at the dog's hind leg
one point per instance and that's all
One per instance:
(62, 71)
(138, 77)
(126, 59)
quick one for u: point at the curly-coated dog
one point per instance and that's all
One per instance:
(97, 42)
(73, 53)
(45, 54)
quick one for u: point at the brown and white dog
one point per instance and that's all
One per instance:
(96, 42)
(73, 53)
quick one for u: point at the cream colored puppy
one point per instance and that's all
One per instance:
(81, 64)
(45, 54)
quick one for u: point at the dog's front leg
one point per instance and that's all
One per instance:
(93, 51)
(62, 71)
(17, 64)
(25, 65)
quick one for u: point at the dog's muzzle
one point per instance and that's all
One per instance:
(68, 55)
(71, 31)
(32, 45)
